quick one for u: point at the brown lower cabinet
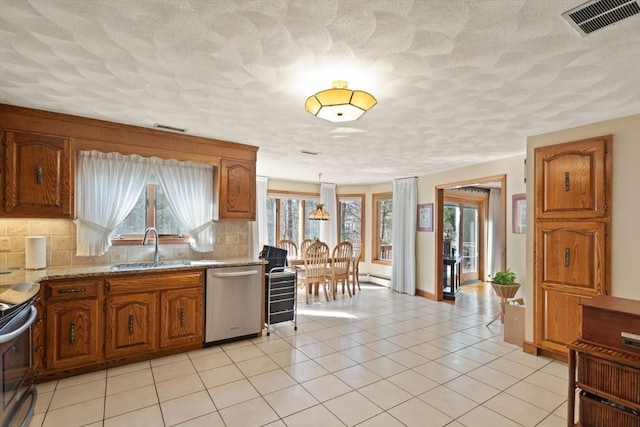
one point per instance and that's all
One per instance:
(97, 322)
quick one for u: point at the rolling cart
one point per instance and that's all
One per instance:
(281, 297)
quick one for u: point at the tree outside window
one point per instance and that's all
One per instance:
(351, 213)
(383, 226)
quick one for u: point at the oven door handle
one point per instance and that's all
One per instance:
(12, 335)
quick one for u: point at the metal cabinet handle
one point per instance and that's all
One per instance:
(130, 324)
(71, 290)
(566, 181)
(72, 333)
(181, 316)
(566, 257)
(38, 174)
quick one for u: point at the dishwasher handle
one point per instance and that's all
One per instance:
(235, 274)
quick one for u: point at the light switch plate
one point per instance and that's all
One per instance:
(5, 244)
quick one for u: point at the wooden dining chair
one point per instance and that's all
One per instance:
(339, 270)
(305, 245)
(289, 246)
(315, 270)
(355, 265)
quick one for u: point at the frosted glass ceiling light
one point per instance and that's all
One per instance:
(339, 104)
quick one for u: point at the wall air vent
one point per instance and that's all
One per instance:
(171, 128)
(597, 14)
(311, 153)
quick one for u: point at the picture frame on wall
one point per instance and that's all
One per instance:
(519, 214)
(425, 217)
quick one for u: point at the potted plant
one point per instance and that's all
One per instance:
(504, 284)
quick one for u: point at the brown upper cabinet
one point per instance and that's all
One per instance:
(38, 175)
(237, 190)
(571, 180)
(39, 150)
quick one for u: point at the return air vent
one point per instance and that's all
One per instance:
(171, 128)
(597, 14)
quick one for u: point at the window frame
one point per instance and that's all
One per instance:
(302, 198)
(375, 235)
(150, 221)
(362, 219)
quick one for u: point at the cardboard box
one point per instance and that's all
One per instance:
(514, 321)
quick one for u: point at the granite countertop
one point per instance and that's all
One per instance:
(16, 276)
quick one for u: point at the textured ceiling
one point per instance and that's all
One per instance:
(457, 82)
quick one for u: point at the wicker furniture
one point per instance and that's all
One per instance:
(607, 374)
(505, 292)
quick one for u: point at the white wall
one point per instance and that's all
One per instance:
(625, 209)
(513, 168)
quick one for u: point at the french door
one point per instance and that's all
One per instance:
(463, 232)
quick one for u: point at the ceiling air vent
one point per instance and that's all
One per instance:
(171, 128)
(597, 14)
(311, 153)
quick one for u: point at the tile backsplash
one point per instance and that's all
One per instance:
(232, 240)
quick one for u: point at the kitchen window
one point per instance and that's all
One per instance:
(151, 210)
(382, 227)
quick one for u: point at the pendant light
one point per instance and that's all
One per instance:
(319, 213)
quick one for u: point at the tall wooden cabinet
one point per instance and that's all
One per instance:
(571, 237)
(38, 175)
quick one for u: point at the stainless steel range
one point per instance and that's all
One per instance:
(17, 390)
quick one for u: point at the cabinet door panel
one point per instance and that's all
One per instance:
(38, 175)
(72, 334)
(130, 324)
(182, 317)
(237, 190)
(571, 179)
(570, 266)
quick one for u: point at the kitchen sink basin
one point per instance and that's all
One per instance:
(149, 265)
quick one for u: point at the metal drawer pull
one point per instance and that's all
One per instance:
(38, 174)
(71, 290)
(181, 316)
(566, 257)
(566, 181)
(72, 333)
(130, 324)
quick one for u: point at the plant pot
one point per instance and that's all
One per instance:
(506, 291)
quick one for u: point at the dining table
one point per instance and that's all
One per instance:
(297, 261)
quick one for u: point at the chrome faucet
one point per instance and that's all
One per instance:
(156, 256)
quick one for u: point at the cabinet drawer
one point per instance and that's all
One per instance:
(72, 289)
(154, 281)
(611, 378)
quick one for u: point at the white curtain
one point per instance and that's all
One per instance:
(495, 246)
(107, 188)
(188, 188)
(329, 229)
(403, 258)
(259, 235)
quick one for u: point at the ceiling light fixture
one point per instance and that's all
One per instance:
(319, 213)
(340, 104)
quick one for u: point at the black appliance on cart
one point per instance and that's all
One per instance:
(281, 296)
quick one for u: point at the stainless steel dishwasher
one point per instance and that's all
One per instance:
(233, 302)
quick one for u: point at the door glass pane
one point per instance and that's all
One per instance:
(451, 219)
(470, 239)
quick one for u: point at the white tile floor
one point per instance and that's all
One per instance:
(378, 359)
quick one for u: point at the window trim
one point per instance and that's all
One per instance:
(301, 196)
(363, 232)
(375, 222)
(150, 221)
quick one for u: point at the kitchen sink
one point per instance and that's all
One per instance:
(149, 265)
